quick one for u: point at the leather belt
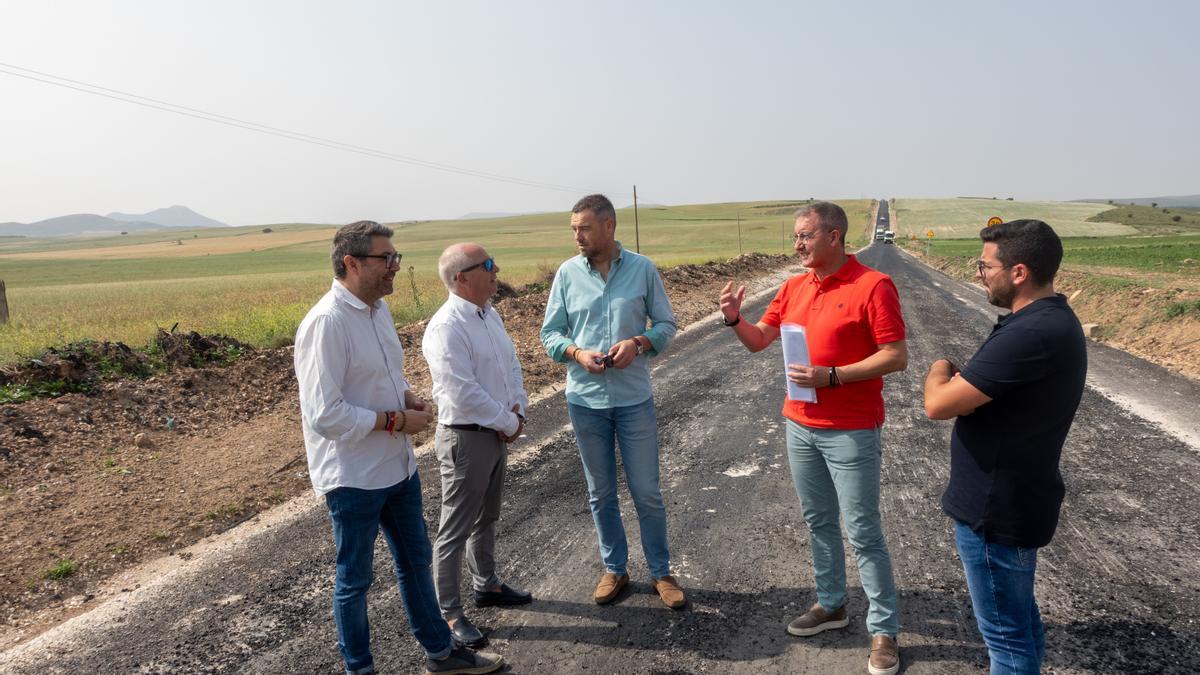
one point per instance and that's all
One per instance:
(469, 427)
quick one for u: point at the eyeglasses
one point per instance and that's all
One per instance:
(489, 265)
(805, 236)
(982, 267)
(389, 259)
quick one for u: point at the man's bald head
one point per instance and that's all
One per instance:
(456, 258)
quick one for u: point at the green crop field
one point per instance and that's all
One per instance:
(256, 286)
(1153, 220)
(1162, 254)
(963, 218)
(1163, 240)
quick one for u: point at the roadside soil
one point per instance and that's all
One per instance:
(1129, 308)
(93, 484)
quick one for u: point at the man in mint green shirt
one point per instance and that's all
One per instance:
(596, 322)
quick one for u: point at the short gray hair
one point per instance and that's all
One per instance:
(829, 216)
(451, 262)
(354, 239)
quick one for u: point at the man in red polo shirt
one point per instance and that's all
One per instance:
(851, 316)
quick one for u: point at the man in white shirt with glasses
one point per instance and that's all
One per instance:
(358, 411)
(481, 401)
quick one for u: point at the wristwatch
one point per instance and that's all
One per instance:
(729, 323)
(638, 344)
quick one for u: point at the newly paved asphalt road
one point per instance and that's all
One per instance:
(1119, 587)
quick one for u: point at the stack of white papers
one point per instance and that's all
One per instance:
(795, 350)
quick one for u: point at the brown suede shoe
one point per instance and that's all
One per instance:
(885, 656)
(817, 620)
(608, 588)
(670, 592)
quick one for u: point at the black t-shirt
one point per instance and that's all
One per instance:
(1004, 478)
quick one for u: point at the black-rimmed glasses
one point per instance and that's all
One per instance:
(488, 265)
(983, 267)
(389, 259)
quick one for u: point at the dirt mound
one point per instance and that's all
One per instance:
(78, 364)
(749, 263)
(81, 366)
(196, 350)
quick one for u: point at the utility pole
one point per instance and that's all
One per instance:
(3, 304)
(739, 216)
(637, 237)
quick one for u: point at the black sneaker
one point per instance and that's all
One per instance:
(464, 660)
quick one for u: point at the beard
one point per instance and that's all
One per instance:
(1001, 295)
(385, 286)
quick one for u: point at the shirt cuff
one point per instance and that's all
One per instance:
(364, 424)
(514, 423)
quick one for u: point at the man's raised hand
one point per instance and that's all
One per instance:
(731, 303)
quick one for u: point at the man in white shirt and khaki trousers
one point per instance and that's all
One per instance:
(481, 409)
(358, 411)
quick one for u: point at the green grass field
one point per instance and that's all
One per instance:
(256, 287)
(1153, 220)
(963, 218)
(1154, 254)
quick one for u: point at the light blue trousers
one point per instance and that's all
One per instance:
(836, 472)
(634, 429)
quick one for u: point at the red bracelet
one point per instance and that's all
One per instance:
(389, 422)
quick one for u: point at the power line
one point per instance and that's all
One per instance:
(157, 104)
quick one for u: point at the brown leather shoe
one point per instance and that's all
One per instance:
(670, 592)
(885, 656)
(608, 588)
(817, 620)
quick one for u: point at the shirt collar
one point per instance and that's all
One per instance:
(463, 305)
(1058, 300)
(587, 264)
(343, 294)
(844, 273)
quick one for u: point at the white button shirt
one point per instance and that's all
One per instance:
(349, 365)
(476, 375)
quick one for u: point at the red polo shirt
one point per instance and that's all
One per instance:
(846, 317)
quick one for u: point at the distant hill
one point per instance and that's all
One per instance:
(113, 223)
(172, 216)
(1178, 201)
(79, 223)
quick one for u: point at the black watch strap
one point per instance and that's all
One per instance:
(731, 323)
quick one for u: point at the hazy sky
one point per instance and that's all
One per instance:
(692, 101)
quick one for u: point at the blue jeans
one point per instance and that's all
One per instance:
(1000, 578)
(357, 516)
(635, 429)
(836, 472)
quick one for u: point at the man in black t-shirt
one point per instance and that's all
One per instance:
(1013, 404)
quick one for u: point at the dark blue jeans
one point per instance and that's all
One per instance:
(357, 516)
(1000, 579)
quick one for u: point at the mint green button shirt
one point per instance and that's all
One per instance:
(585, 310)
